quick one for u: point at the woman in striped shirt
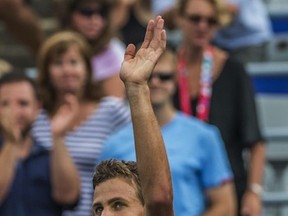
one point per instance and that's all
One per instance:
(65, 77)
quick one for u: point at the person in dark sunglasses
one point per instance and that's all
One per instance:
(163, 76)
(92, 19)
(197, 19)
(198, 162)
(90, 11)
(215, 88)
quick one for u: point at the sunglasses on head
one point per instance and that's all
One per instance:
(89, 11)
(196, 19)
(167, 76)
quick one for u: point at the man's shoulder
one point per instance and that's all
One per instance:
(193, 124)
(125, 133)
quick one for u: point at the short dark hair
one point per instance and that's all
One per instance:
(110, 169)
(19, 76)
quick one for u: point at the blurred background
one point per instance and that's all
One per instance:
(270, 79)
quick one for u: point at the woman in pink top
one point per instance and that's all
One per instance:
(92, 19)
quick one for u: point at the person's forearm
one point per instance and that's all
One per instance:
(8, 161)
(257, 163)
(222, 209)
(222, 201)
(23, 23)
(216, 210)
(152, 162)
(65, 177)
(120, 14)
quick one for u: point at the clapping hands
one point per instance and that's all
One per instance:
(64, 119)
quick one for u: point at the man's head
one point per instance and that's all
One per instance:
(162, 82)
(18, 100)
(117, 189)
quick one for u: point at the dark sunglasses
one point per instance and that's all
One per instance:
(163, 77)
(88, 11)
(196, 19)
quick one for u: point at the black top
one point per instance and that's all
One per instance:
(133, 31)
(30, 193)
(233, 111)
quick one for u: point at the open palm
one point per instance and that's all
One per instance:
(138, 66)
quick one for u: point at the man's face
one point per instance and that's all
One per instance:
(162, 82)
(18, 102)
(116, 197)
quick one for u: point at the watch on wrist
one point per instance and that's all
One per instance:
(256, 189)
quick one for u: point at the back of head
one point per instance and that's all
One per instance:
(127, 170)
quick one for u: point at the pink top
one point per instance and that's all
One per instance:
(108, 63)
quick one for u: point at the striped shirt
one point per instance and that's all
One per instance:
(86, 143)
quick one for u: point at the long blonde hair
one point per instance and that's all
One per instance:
(223, 18)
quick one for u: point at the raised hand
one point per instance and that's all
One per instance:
(138, 66)
(63, 120)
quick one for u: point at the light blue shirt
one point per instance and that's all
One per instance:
(251, 26)
(196, 155)
(159, 6)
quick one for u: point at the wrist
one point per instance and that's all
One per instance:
(256, 189)
(134, 89)
(58, 137)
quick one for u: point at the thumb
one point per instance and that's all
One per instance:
(129, 52)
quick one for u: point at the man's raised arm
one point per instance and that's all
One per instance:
(152, 162)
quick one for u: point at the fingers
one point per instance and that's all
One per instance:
(163, 39)
(69, 107)
(66, 115)
(149, 34)
(157, 34)
(70, 101)
(10, 127)
(154, 34)
(129, 52)
(7, 118)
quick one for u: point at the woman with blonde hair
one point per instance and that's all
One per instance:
(65, 77)
(216, 89)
